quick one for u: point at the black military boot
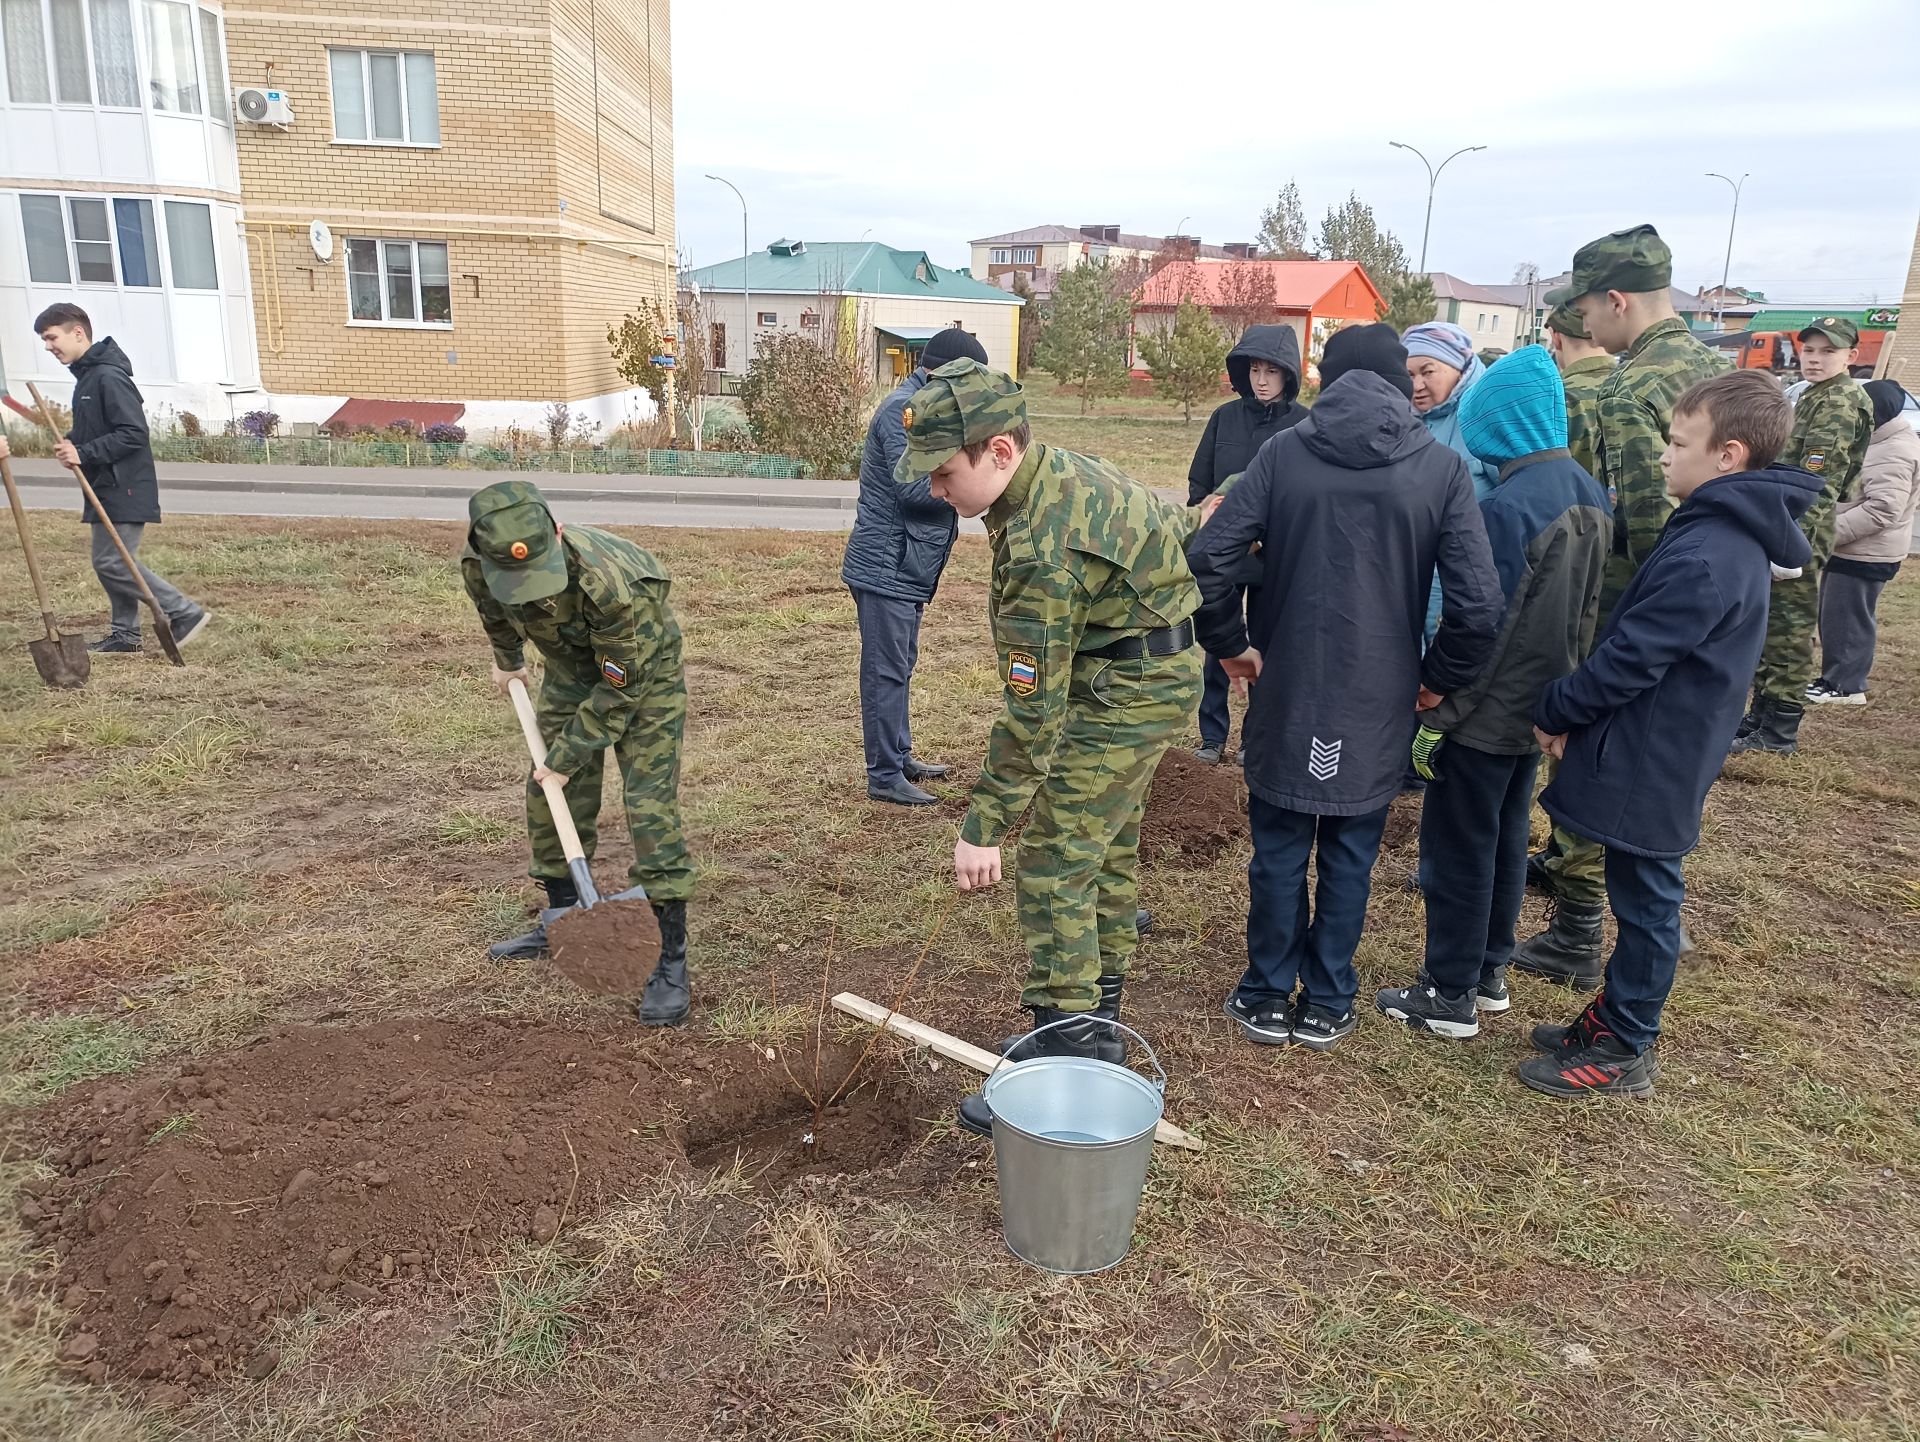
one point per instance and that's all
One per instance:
(1539, 878)
(1756, 713)
(561, 898)
(1111, 1045)
(1085, 1034)
(1778, 731)
(1569, 950)
(669, 994)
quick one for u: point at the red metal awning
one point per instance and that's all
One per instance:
(381, 414)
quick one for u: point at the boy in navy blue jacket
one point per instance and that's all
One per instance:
(1550, 528)
(1642, 727)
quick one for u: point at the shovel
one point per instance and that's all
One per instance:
(61, 660)
(607, 945)
(161, 626)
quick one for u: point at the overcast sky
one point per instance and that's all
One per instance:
(927, 125)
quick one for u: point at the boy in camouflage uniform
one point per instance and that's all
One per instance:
(1090, 607)
(595, 606)
(1831, 426)
(1619, 290)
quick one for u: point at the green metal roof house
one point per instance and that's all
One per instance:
(894, 300)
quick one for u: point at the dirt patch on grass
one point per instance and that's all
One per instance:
(323, 1169)
(1194, 810)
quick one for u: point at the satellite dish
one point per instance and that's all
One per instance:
(321, 239)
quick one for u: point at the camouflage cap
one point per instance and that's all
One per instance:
(963, 402)
(1565, 319)
(1836, 328)
(512, 532)
(1628, 260)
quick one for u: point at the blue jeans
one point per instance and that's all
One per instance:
(1473, 861)
(1283, 945)
(889, 647)
(1645, 895)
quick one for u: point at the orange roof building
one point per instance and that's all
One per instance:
(1315, 297)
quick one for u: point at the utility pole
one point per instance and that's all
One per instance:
(1720, 318)
(746, 264)
(1433, 179)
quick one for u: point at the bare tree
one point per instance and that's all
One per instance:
(1247, 297)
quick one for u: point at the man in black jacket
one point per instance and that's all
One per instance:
(1265, 370)
(1355, 509)
(109, 443)
(899, 545)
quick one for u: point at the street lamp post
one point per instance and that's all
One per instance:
(1433, 179)
(746, 264)
(1720, 315)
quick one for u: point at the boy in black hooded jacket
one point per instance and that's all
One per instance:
(1265, 369)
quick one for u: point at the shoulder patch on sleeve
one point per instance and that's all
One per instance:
(1023, 672)
(1816, 461)
(615, 673)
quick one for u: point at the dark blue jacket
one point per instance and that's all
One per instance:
(901, 535)
(1650, 714)
(110, 433)
(1356, 509)
(1236, 431)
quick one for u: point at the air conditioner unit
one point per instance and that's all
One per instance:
(263, 107)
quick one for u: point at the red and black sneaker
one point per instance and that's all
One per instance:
(1582, 1032)
(1604, 1067)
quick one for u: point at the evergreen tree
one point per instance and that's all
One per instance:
(1349, 232)
(1187, 357)
(1085, 342)
(1283, 227)
(1410, 301)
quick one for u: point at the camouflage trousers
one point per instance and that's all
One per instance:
(1578, 866)
(1787, 666)
(1080, 852)
(648, 752)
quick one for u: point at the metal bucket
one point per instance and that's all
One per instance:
(1071, 1138)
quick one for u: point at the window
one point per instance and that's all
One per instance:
(92, 241)
(385, 97)
(719, 336)
(1001, 256)
(809, 320)
(71, 86)
(139, 246)
(173, 75)
(214, 55)
(24, 36)
(1025, 255)
(46, 240)
(768, 317)
(113, 64)
(398, 282)
(190, 242)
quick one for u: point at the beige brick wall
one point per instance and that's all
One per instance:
(552, 187)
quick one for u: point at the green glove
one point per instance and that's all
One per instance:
(1426, 743)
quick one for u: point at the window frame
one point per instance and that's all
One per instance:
(159, 259)
(366, 54)
(1026, 255)
(382, 275)
(766, 317)
(210, 77)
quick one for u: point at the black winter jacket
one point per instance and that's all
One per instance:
(1650, 714)
(1355, 509)
(901, 535)
(1236, 431)
(110, 433)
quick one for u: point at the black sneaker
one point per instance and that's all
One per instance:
(188, 627)
(1423, 1007)
(1491, 994)
(1604, 1067)
(1583, 1031)
(116, 646)
(1268, 1024)
(1321, 1028)
(1208, 753)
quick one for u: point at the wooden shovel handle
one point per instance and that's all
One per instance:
(26, 546)
(161, 626)
(556, 793)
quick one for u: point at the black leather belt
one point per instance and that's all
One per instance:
(1167, 641)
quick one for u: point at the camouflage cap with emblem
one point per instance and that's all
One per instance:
(961, 404)
(1634, 260)
(511, 530)
(1565, 319)
(1844, 334)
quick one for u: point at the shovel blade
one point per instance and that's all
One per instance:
(62, 661)
(609, 948)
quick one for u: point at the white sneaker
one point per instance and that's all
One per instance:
(1821, 694)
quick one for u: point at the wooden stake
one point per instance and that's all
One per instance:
(967, 1054)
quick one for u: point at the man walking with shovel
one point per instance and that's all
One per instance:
(595, 607)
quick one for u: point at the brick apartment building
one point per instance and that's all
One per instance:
(496, 187)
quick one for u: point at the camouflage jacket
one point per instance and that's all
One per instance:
(602, 638)
(1082, 556)
(1582, 382)
(1831, 426)
(1636, 412)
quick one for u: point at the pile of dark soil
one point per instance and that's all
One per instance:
(324, 1169)
(1194, 811)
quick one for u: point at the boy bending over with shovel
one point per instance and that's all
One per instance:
(595, 607)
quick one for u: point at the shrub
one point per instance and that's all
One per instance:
(640, 436)
(559, 419)
(802, 401)
(261, 424)
(404, 429)
(444, 433)
(190, 424)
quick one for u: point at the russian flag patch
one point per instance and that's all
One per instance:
(1023, 672)
(614, 671)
